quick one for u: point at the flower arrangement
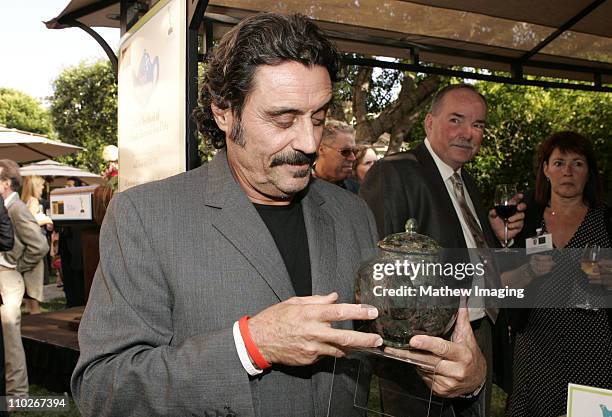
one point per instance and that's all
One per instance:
(110, 154)
(111, 173)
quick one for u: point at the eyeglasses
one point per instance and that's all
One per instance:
(345, 152)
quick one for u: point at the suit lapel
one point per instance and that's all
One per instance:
(323, 254)
(321, 242)
(443, 203)
(238, 220)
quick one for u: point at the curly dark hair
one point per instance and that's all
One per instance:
(568, 141)
(261, 39)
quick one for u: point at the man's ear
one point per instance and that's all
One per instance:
(223, 117)
(320, 149)
(4, 184)
(428, 123)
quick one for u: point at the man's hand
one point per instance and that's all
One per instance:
(461, 366)
(515, 223)
(298, 331)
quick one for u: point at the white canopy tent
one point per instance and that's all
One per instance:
(24, 147)
(59, 172)
(566, 39)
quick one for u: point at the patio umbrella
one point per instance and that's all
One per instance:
(23, 146)
(57, 173)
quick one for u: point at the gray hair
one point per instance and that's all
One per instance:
(437, 100)
(333, 127)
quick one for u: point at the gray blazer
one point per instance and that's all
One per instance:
(30, 244)
(182, 259)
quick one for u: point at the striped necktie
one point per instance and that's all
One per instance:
(479, 238)
(469, 218)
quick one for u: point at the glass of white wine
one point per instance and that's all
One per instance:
(589, 265)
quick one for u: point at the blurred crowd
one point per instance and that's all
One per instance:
(34, 253)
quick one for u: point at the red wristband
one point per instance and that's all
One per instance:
(251, 347)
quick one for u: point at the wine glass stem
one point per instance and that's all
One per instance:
(505, 234)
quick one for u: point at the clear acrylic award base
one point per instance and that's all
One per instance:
(373, 383)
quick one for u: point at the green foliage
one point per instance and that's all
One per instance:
(343, 88)
(498, 402)
(84, 112)
(206, 150)
(520, 117)
(21, 111)
(386, 84)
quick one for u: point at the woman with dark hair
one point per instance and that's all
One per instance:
(364, 159)
(557, 346)
(73, 182)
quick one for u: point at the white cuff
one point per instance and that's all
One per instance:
(245, 360)
(476, 392)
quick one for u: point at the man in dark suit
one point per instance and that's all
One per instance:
(428, 184)
(7, 240)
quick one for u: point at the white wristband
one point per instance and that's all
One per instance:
(247, 364)
(476, 392)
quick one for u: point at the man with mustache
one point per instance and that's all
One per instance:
(336, 153)
(166, 331)
(429, 184)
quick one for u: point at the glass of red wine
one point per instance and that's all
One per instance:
(505, 206)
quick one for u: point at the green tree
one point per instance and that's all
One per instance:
(520, 117)
(84, 111)
(21, 111)
(382, 101)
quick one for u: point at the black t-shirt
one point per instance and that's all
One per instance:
(286, 224)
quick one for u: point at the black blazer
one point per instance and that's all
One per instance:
(6, 229)
(408, 185)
